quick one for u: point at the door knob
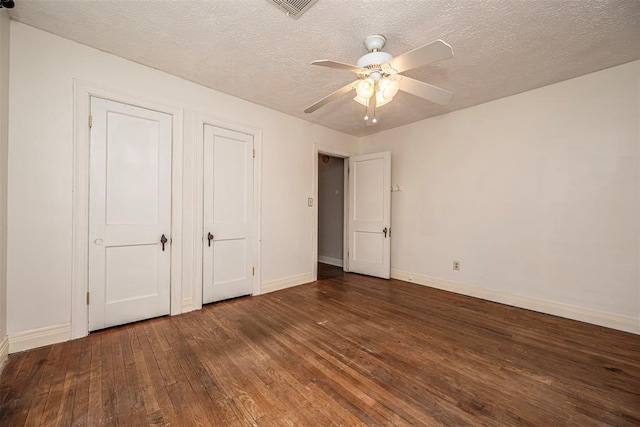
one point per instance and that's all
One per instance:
(98, 241)
(209, 238)
(163, 240)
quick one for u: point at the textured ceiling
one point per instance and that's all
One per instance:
(252, 50)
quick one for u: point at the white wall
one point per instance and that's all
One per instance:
(4, 134)
(537, 195)
(43, 67)
(330, 210)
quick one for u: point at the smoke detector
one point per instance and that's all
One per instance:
(293, 8)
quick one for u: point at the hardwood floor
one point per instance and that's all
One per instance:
(346, 350)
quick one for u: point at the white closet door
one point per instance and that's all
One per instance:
(370, 214)
(129, 213)
(228, 212)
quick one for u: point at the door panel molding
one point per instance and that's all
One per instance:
(228, 211)
(198, 193)
(82, 92)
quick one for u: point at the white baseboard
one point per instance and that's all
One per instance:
(277, 285)
(187, 305)
(4, 351)
(329, 260)
(39, 337)
(623, 323)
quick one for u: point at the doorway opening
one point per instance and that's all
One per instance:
(331, 205)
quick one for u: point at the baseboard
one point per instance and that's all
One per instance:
(329, 260)
(277, 285)
(622, 323)
(39, 337)
(4, 351)
(187, 305)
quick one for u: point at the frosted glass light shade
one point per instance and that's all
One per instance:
(384, 90)
(381, 100)
(365, 88)
(388, 87)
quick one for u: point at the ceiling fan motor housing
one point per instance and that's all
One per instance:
(374, 60)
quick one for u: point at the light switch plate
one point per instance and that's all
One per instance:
(310, 201)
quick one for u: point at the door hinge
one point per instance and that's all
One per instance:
(90, 121)
(253, 271)
(88, 298)
(254, 153)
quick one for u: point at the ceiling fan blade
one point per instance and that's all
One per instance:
(327, 99)
(426, 91)
(371, 111)
(339, 66)
(427, 54)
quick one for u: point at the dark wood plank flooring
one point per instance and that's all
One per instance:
(346, 350)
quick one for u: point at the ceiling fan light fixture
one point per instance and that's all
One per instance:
(381, 100)
(378, 76)
(365, 88)
(388, 87)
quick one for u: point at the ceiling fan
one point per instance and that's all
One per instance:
(379, 76)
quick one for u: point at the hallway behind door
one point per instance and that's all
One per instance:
(331, 185)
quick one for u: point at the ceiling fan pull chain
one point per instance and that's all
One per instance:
(375, 104)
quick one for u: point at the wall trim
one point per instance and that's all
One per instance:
(338, 262)
(277, 285)
(39, 337)
(4, 351)
(622, 323)
(187, 305)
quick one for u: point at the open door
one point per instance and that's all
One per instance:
(370, 214)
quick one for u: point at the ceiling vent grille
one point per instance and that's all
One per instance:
(293, 8)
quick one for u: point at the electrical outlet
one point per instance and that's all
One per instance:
(456, 265)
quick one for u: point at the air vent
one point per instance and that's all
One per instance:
(293, 8)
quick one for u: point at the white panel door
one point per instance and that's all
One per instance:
(370, 214)
(129, 212)
(227, 217)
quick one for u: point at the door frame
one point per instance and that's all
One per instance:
(82, 93)
(333, 152)
(198, 222)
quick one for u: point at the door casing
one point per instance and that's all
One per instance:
(330, 151)
(80, 224)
